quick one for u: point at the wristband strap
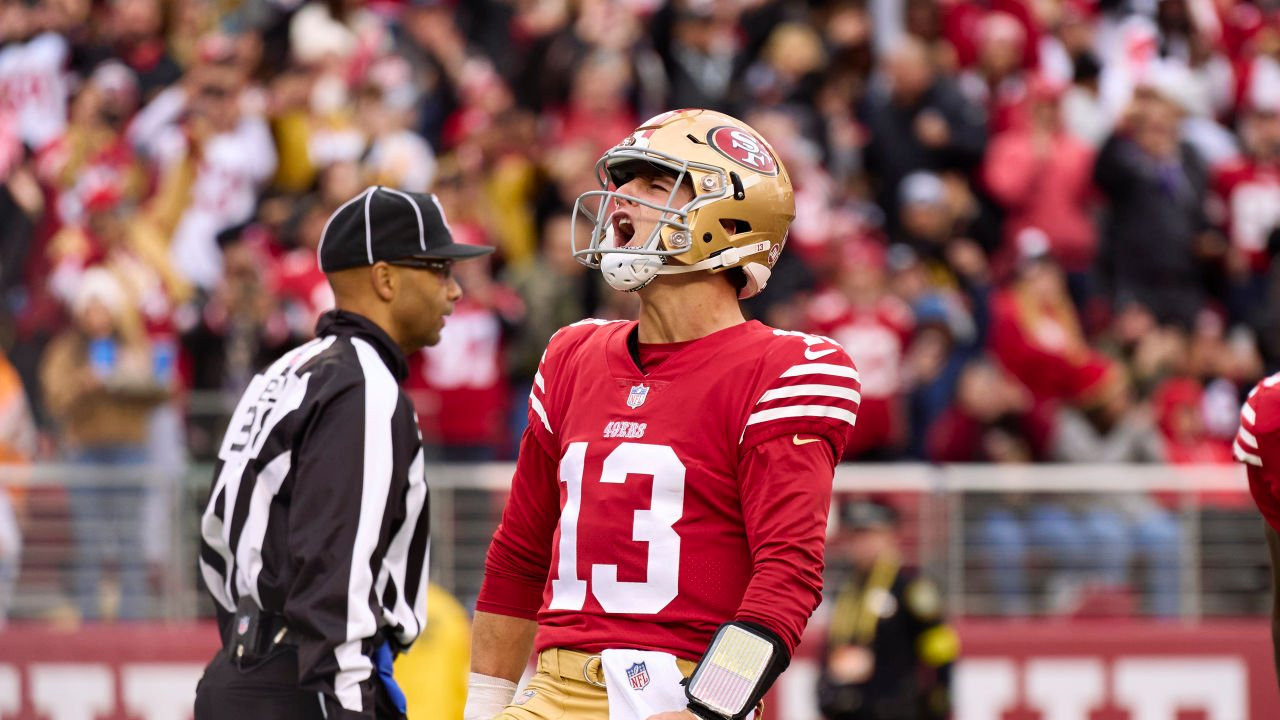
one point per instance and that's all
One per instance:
(487, 696)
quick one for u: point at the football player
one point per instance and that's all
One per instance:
(1258, 446)
(662, 547)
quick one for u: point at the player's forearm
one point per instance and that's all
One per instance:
(501, 645)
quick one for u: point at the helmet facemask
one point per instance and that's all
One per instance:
(634, 265)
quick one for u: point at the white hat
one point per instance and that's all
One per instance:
(99, 285)
(922, 188)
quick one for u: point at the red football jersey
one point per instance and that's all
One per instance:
(648, 508)
(1251, 194)
(1258, 445)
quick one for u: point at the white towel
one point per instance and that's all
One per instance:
(641, 683)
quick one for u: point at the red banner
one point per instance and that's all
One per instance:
(1045, 670)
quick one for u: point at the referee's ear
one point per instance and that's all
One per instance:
(383, 281)
(362, 289)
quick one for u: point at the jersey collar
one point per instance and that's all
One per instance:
(348, 324)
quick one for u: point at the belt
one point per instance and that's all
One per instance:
(571, 665)
(585, 667)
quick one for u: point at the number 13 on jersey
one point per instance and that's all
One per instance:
(654, 526)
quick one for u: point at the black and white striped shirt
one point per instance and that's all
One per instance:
(318, 508)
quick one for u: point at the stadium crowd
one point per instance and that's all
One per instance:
(1044, 229)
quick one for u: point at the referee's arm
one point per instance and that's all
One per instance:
(336, 518)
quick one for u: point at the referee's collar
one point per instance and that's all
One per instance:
(346, 323)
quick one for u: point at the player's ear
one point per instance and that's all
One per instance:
(383, 280)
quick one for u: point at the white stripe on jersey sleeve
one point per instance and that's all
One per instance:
(1247, 412)
(536, 405)
(1246, 457)
(821, 369)
(1247, 439)
(833, 391)
(537, 380)
(819, 411)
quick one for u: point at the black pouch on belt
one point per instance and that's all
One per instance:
(253, 632)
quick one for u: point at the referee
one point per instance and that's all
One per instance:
(315, 539)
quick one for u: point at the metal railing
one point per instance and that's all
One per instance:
(1032, 539)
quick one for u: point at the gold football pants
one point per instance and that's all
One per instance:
(569, 685)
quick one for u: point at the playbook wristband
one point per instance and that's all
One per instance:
(740, 665)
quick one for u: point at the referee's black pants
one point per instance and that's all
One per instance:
(266, 689)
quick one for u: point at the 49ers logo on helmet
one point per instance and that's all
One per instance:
(743, 148)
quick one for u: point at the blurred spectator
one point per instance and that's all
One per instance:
(1156, 237)
(1083, 113)
(997, 81)
(699, 45)
(304, 292)
(1110, 427)
(994, 420)
(17, 446)
(1249, 190)
(556, 290)
(33, 83)
(1112, 531)
(1041, 176)
(215, 152)
(459, 386)
(93, 155)
(1179, 409)
(134, 33)
(919, 121)
(931, 368)
(1035, 330)
(889, 653)
(597, 112)
(240, 326)
(396, 156)
(861, 314)
(100, 386)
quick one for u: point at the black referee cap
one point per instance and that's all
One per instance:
(382, 223)
(867, 515)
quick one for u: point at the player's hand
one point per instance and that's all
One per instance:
(677, 715)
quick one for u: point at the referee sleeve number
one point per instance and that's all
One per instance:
(652, 526)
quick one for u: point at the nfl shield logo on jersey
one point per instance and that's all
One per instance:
(638, 676)
(639, 393)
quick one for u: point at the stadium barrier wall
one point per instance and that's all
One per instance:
(1066, 670)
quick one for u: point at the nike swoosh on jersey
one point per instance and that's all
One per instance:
(798, 441)
(811, 355)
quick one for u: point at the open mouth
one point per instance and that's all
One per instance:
(624, 228)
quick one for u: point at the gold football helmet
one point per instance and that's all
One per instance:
(742, 202)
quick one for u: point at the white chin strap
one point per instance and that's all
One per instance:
(631, 271)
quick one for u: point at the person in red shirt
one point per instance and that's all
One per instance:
(669, 506)
(860, 311)
(1258, 446)
(1249, 191)
(1036, 332)
(1042, 176)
